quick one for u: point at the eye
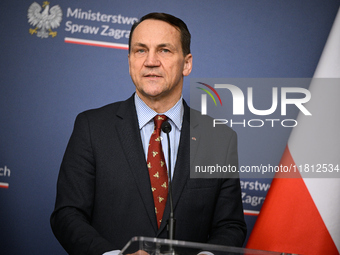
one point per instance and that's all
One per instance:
(140, 51)
(165, 50)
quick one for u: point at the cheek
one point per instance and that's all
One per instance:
(177, 70)
(134, 71)
(135, 65)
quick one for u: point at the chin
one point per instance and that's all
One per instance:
(152, 93)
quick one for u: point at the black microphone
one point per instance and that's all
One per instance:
(166, 128)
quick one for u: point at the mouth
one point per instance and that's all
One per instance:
(152, 76)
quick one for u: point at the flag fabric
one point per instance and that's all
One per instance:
(302, 215)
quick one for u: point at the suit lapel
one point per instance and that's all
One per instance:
(127, 127)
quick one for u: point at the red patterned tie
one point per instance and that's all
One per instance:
(157, 169)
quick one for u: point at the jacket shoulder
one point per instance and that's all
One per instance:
(109, 111)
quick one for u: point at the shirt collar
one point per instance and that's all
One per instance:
(145, 114)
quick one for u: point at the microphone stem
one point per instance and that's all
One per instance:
(171, 221)
(171, 224)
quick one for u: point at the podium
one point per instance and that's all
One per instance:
(157, 246)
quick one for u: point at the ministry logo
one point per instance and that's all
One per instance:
(44, 19)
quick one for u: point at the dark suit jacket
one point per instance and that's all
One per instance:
(104, 195)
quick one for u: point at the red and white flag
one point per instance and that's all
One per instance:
(302, 215)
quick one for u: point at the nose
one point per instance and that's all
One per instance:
(152, 60)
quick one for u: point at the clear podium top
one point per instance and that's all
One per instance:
(157, 246)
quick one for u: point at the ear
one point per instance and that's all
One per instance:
(187, 65)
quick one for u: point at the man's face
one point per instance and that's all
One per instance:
(156, 61)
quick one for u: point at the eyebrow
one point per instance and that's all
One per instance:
(159, 46)
(140, 45)
(165, 45)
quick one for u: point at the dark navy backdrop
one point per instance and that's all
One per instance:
(46, 82)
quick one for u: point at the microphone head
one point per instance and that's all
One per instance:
(166, 127)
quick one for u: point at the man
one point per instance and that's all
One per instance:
(105, 191)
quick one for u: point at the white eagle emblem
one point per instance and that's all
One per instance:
(44, 21)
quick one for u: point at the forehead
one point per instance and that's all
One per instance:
(155, 31)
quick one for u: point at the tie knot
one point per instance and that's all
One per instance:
(158, 120)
